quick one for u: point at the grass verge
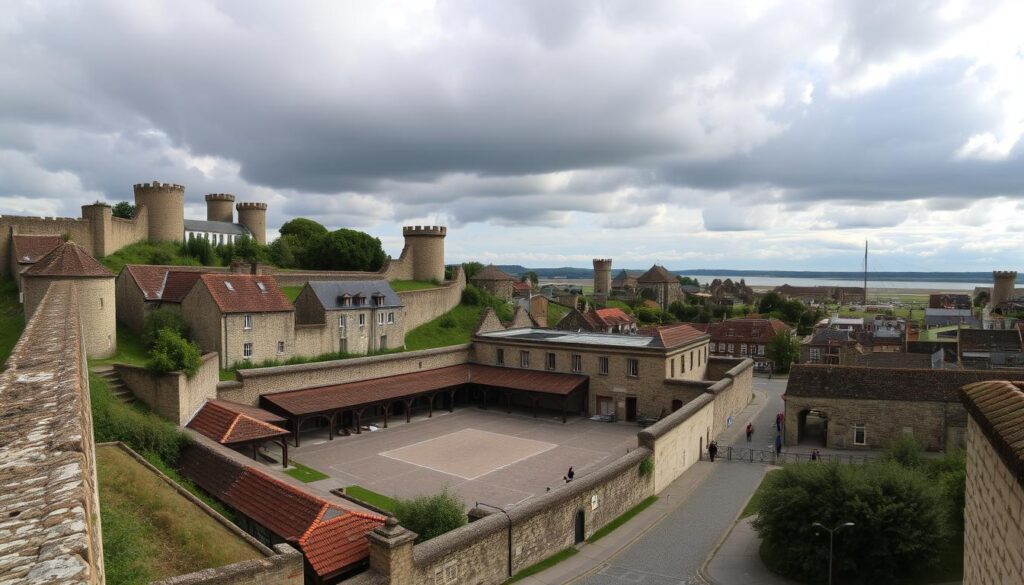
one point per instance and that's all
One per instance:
(12, 319)
(407, 285)
(303, 473)
(370, 497)
(622, 519)
(543, 565)
(754, 504)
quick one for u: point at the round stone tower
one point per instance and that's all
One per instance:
(166, 205)
(602, 278)
(220, 207)
(427, 246)
(254, 217)
(1003, 282)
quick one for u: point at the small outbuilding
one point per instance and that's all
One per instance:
(495, 281)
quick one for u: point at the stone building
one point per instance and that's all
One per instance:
(609, 320)
(602, 279)
(843, 295)
(27, 250)
(159, 216)
(659, 285)
(830, 346)
(624, 284)
(141, 288)
(242, 317)
(358, 316)
(994, 497)
(727, 292)
(744, 337)
(69, 262)
(493, 280)
(985, 349)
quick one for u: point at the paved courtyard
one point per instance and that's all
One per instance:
(480, 455)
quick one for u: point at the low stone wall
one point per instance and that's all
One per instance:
(255, 382)
(173, 396)
(678, 439)
(733, 392)
(49, 510)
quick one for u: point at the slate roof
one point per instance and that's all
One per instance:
(656, 275)
(830, 337)
(673, 335)
(217, 227)
(327, 293)
(340, 396)
(857, 382)
(228, 427)
(894, 359)
(330, 536)
(150, 278)
(68, 259)
(1008, 340)
(245, 294)
(491, 273)
(29, 249)
(998, 408)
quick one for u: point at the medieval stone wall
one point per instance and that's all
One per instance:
(79, 230)
(49, 508)
(426, 305)
(96, 302)
(993, 515)
(173, 396)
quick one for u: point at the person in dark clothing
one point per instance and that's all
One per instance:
(778, 421)
(778, 445)
(750, 431)
(712, 450)
(568, 476)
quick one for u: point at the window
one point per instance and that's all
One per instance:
(391, 318)
(362, 320)
(602, 366)
(672, 368)
(499, 357)
(101, 302)
(549, 361)
(760, 350)
(261, 286)
(577, 363)
(229, 286)
(524, 359)
(691, 360)
(730, 349)
(815, 355)
(247, 321)
(860, 436)
(341, 322)
(380, 318)
(280, 347)
(632, 368)
(682, 364)
(247, 351)
(743, 349)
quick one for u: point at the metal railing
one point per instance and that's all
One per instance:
(729, 453)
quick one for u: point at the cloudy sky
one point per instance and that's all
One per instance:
(698, 135)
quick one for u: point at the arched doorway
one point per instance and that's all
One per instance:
(812, 428)
(580, 527)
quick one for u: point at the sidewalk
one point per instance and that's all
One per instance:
(737, 560)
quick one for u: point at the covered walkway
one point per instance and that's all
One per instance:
(344, 405)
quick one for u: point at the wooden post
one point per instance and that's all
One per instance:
(408, 408)
(430, 407)
(255, 452)
(330, 427)
(387, 407)
(451, 401)
(296, 421)
(356, 418)
(284, 451)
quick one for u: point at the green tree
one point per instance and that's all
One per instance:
(783, 349)
(430, 516)
(769, 303)
(124, 210)
(160, 319)
(283, 252)
(471, 268)
(530, 276)
(304, 230)
(248, 249)
(685, 280)
(201, 250)
(173, 353)
(981, 299)
(344, 249)
(648, 316)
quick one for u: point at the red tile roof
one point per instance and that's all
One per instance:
(253, 411)
(245, 294)
(228, 427)
(673, 335)
(340, 396)
(150, 278)
(68, 259)
(998, 408)
(178, 284)
(526, 286)
(746, 330)
(614, 316)
(491, 272)
(29, 249)
(331, 545)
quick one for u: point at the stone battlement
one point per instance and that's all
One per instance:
(220, 197)
(158, 186)
(251, 205)
(602, 262)
(1004, 274)
(424, 230)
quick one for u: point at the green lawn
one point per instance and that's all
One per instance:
(543, 565)
(452, 328)
(292, 292)
(303, 473)
(12, 319)
(406, 285)
(130, 350)
(622, 519)
(373, 498)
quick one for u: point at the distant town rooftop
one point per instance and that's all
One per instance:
(583, 338)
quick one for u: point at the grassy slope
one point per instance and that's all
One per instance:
(129, 349)
(406, 285)
(150, 531)
(292, 292)
(555, 314)
(12, 319)
(147, 253)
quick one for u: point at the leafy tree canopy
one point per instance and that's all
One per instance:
(783, 349)
(172, 353)
(302, 229)
(123, 209)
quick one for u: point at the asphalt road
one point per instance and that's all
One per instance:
(674, 549)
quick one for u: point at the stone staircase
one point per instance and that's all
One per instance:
(121, 392)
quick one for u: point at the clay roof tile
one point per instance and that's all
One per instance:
(68, 259)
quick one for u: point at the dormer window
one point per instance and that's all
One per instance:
(360, 300)
(378, 300)
(229, 286)
(261, 286)
(345, 300)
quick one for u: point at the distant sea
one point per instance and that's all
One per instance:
(875, 285)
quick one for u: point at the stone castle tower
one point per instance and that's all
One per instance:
(166, 205)
(427, 246)
(254, 217)
(220, 207)
(602, 279)
(1003, 282)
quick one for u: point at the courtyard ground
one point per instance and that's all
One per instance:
(479, 455)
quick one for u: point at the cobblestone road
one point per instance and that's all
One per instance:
(673, 551)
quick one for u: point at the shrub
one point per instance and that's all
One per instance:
(172, 353)
(473, 296)
(430, 516)
(144, 432)
(447, 321)
(906, 451)
(159, 320)
(647, 467)
(648, 316)
(201, 250)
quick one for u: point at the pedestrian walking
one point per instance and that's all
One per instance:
(750, 431)
(815, 455)
(712, 450)
(778, 421)
(568, 476)
(778, 445)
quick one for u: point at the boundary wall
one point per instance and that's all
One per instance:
(49, 507)
(174, 396)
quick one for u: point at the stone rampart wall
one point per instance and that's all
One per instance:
(128, 231)
(993, 515)
(678, 439)
(49, 509)
(422, 306)
(733, 392)
(393, 269)
(173, 396)
(253, 383)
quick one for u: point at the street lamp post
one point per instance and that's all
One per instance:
(831, 538)
(509, 518)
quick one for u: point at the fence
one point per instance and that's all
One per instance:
(749, 455)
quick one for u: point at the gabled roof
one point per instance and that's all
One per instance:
(491, 272)
(216, 227)
(68, 259)
(242, 293)
(334, 543)
(253, 411)
(613, 316)
(151, 278)
(673, 335)
(525, 286)
(29, 249)
(998, 408)
(327, 292)
(1006, 340)
(177, 285)
(656, 275)
(755, 330)
(226, 426)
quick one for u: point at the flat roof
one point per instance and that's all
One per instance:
(572, 337)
